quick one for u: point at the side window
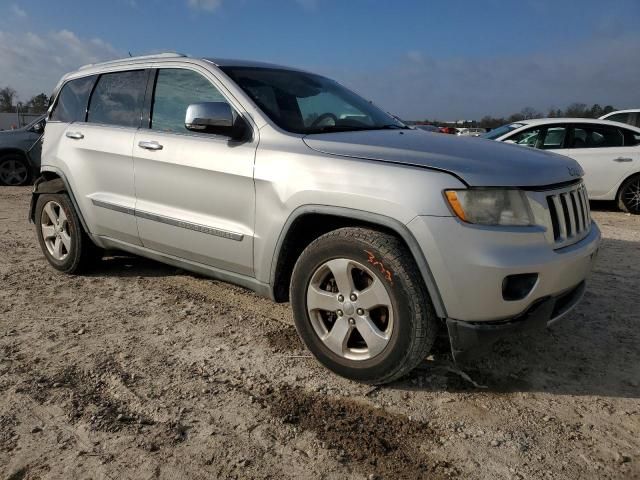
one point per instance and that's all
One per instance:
(528, 138)
(175, 90)
(631, 139)
(118, 98)
(554, 139)
(596, 136)
(619, 117)
(71, 105)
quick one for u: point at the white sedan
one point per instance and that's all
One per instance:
(609, 152)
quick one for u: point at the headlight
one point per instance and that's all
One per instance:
(490, 206)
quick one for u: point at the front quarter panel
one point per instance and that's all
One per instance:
(289, 175)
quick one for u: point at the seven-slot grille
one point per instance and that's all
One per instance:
(570, 217)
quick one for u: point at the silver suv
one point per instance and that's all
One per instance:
(289, 184)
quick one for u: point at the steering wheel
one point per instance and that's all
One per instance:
(323, 118)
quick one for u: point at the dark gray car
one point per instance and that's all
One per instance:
(20, 153)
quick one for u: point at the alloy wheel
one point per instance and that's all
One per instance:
(350, 309)
(13, 172)
(631, 196)
(55, 231)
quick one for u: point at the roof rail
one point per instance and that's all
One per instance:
(141, 57)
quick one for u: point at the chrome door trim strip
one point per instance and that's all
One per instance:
(113, 206)
(196, 227)
(190, 226)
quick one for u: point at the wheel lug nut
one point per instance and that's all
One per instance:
(339, 312)
(352, 321)
(353, 297)
(340, 298)
(360, 311)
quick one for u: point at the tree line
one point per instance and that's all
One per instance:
(575, 110)
(9, 102)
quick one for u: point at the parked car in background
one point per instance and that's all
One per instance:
(427, 128)
(20, 153)
(632, 117)
(286, 182)
(471, 132)
(609, 152)
(449, 130)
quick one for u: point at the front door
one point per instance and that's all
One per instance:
(195, 191)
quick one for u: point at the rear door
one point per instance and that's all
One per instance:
(96, 154)
(195, 191)
(602, 153)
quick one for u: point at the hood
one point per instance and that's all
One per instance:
(479, 162)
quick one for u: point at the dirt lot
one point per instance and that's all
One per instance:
(139, 370)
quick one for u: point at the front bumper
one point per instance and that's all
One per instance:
(469, 265)
(469, 338)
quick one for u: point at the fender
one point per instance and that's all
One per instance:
(54, 185)
(374, 218)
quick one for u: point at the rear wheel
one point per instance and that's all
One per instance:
(629, 195)
(63, 241)
(360, 305)
(14, 171)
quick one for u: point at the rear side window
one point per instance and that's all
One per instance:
(176, 89)
(596, 136)
(71, 105)
(619, 117)
(631, 139)
(118, 98)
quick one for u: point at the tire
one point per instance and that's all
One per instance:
(390, 295)
(63, 241)
(14, 171)
(629, 195)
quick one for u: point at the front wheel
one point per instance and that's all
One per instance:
(629, 195)
(360, 305)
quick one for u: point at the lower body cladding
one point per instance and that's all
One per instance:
(497, 281)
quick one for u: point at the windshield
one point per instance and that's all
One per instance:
(500, 131)
(301, 102)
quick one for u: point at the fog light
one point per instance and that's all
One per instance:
(517, 287)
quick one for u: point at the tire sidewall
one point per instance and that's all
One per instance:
(402, 334)
(75, 233)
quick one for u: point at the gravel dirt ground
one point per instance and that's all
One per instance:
(139, 370)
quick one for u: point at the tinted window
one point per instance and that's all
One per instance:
(71, 105)
(527, 138)
(631, 139)
(619, 117)
(503, 130)
(176, 89)
(588, 136)
(118, 98)
(302, 102)
(554, 138)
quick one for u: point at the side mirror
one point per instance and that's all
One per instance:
(38, 127)
(215, 117)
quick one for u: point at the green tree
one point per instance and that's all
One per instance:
(7, 96)
(38, 103)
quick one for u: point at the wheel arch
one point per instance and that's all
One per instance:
(53, 181)
(308, 222)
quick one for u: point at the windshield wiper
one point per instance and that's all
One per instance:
(353, 128)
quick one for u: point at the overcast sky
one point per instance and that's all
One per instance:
(416, 58)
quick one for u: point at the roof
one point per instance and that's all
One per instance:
(549, 121)
(631, 110)
(231, 62)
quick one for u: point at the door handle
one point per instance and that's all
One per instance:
(623, 159)
(74, 135)
(150, 145)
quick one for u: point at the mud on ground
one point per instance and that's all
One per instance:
(139, 370)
